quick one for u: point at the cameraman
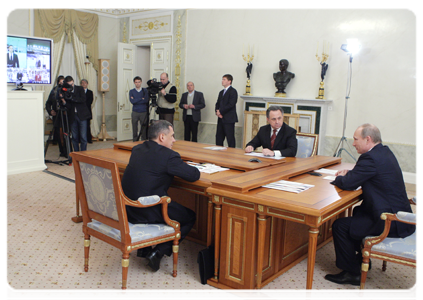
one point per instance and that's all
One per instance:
(73, 97)
(53, 110)
(166, 99)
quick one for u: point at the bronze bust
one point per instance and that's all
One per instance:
(282, 78)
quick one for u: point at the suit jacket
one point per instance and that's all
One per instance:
(150, 171)
(379, 175)
(285, 142)
(198, 102)
(89, 98)
(226, 104)
(14, 62)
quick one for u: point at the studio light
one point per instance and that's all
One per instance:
(351, 47)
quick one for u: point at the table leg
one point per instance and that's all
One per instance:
(312, 246)
(209, 223)
(260, 247)
(218, 215)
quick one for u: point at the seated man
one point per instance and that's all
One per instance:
(277, 138)
(150, 171)
(378, 173)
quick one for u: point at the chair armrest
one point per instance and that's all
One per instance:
(147, 201)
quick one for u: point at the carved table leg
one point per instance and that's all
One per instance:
(312, 246)
(218, 215)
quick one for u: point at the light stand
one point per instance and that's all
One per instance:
(351, 48)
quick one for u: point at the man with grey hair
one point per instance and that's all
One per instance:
(166, 99)
(378, 173)
(150, 171)
(277, 138)
(191, 102)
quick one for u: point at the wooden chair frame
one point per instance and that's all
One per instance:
(125, 245)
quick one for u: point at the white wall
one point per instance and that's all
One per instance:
(383, 83)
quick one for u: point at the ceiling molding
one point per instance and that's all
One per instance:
(123, 13)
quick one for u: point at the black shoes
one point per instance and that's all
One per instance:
(154, 258)
(143, 252)
(344, 277)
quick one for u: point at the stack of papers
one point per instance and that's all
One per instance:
(259, 154)
(207, 168)
(215, 148)
(331, 173)
(289, 186)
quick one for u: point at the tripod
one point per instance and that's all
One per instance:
(64, 121)
(145, 122)
(340, 146)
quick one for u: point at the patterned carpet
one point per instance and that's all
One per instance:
(45, 254)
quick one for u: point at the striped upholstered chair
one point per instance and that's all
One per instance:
(104, 214)
(397, 250)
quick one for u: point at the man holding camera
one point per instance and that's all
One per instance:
(166, 99)
(73, 97)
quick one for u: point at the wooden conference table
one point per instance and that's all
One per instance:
(257, 233)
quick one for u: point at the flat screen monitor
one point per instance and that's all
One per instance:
(29, 60)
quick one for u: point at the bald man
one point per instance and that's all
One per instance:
(191, 102)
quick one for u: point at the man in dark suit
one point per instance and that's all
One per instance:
(78, 113)
(226, 112)
(378, 173)
(276, 138)
(191, 102)
(89, 98)
(150, 171)
(12, 58)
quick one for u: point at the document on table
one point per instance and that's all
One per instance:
(207, 168)
(259, 154)
(215, 148)
(330, 173)
(289, 186)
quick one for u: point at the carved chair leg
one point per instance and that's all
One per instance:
(175, 249)
(125, 265)
(384, 265)
(86, 252)
(364, 270)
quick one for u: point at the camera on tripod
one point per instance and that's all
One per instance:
(153, 89)
(66, 91)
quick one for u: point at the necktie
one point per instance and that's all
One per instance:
(273, 138)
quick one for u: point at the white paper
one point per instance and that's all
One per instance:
(215, 148)
(289, 186)
(259, 154)
(326, 171)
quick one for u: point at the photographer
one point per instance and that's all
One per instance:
(73, 97)
(166, 99)
(53, 110)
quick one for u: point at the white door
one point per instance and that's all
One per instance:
(159, 60)
(125, 74)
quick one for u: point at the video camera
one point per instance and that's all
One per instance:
(153, 89)
(66, 91)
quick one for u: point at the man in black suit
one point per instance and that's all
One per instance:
(277, 138)
(226, 112)
(378, 173)
(89, 97)
(78, 113)
(191, 102)
(12, 58)
(150, 171)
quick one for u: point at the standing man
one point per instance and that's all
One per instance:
(226, 112)
(12, 58)
(277, 138)
(89, 96)
(139, 99)
(378, 173)
(166, 99)
(78, 113)
(191, 102)
(150, 171)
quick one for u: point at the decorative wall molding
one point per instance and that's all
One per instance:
(153, 25)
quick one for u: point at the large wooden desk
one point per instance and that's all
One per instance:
(258, 233)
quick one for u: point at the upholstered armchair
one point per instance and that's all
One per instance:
(307, 144)
(397, 250)
(103, 206)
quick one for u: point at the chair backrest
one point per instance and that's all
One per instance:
(307, 144)
(253, 120)
(98, 187)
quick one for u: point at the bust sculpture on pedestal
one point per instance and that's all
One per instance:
(282, 78)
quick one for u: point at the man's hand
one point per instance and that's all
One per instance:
(163, 92)
(185, 106)
(249, 149)
(191, 106)
(341, 173)
(53, 113)
(268, 152)
(218, 114)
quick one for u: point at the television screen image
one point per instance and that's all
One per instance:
(29, 60)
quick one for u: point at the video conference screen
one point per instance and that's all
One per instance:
(29, 60)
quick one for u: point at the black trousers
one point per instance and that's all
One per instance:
(191, 129)
(225, 130)
(186, 217)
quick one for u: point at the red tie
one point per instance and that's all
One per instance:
(273, 138)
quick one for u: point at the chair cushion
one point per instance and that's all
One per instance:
(138, 232)
(405, 247)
